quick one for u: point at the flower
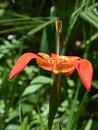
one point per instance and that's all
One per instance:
(57, 64)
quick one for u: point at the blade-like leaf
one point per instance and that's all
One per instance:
(90, 15)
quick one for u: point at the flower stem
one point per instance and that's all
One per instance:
(54, 99)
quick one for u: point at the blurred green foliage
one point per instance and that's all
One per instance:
(28, 25)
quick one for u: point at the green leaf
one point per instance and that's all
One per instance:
(95, 84)
(40, 27)
(73, 106)
(31, 89)
(36, 84)
(91, 15)
(24, 124)
(41, 120)
(29, 25)
(89, 124)
(78, 113)
(42, 79)
(44, 42)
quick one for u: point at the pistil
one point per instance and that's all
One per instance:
(58, 24)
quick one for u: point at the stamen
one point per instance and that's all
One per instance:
(58, 24)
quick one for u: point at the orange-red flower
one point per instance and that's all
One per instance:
(57, 64)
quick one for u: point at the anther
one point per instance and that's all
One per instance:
(58, 24)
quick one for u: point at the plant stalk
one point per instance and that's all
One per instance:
(54, 99)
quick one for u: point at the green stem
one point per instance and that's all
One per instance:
(54, 99)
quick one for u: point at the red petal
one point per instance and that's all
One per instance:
(85, 72)
(21, 63)
(44, 63)
(53, 56)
